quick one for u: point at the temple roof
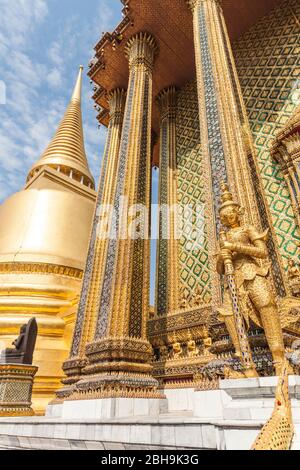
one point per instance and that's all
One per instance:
(66, 148)
(170, 21)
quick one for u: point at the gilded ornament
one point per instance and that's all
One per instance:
(192, 349)
(248, 253)
(177, 349)
(294, 277)
(278, 432)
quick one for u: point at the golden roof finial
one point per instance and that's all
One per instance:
(66, 149)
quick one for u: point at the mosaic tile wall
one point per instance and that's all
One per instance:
(194, 266)
(268, 61)
(267, 58)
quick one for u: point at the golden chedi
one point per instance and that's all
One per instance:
(44, 235)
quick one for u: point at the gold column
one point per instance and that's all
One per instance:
(89, 300)
(167, 276)
(119, 357)
(228, 150)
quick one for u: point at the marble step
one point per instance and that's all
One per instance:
(296, 441)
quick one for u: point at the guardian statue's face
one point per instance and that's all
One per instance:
(230, 216)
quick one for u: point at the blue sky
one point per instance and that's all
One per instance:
(42, 44)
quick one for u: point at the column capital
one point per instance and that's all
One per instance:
(141, 49)
(166, 101)
(194, 3)
(117, 100)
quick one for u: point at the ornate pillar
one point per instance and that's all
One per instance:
(167, 285)
(89, 300)
(228, 150)
(119, 357)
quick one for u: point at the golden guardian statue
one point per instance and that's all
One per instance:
(246, 248)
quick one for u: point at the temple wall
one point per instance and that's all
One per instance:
(267, 58)
(193, 263)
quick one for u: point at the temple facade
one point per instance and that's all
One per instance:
(203, 98)
(208, 91)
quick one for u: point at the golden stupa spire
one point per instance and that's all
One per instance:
(66, 151)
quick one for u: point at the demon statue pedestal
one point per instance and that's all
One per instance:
(17, 373)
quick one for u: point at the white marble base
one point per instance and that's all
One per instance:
(296, 444)
(180, 399)
(54, 411)
(108, 408)
(238, 436)
(175, 433)
(253, 399)
(225, 419)
(210, 405)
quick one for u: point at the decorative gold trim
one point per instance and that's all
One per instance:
(278, 432)
(179, 321)
(141, 49)
(16, 382)
(115, 392)
(192, 4)
(40, 268)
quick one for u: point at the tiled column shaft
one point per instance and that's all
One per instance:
(167, 287)
(120, 352)
(89, 299)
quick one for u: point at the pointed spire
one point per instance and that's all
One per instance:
(77, 90)
(66, 150)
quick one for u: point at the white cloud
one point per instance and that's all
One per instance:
(22, 66)
(104, 19)
(54, 78)
(18, 18)
(55, 53)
